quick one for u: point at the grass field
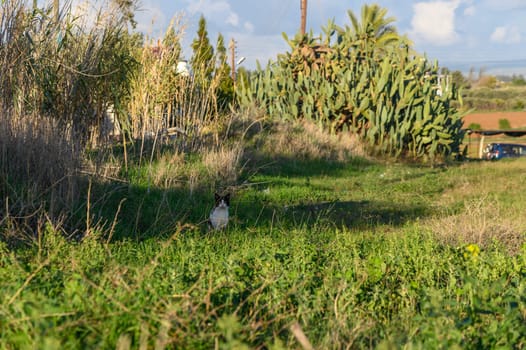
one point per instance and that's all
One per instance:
(104, 242)
(321, 254)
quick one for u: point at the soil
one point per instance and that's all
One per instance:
(490, 120)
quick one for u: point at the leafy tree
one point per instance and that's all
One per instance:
(171, 42)
(203, 55)
(458, 78)
(518, 80)
(221, 53)
(167, 66)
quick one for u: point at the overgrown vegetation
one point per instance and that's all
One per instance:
(109, 157)
(59, 72)
(349, 254)
(496, 99)
(364, 79)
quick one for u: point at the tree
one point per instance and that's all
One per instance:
(222, 64)
(222, 75)
(171, 42)
(203, 55)
(374, 26)
(127, 8)
(518, 80)
(171, 49)
(457, 78)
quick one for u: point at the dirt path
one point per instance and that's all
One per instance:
(490, 120)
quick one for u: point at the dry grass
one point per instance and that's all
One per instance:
(224, 146)
(492, 207)
(482, 221)
(306, 140)
(218, 167)
(39, 180)
(39, 161)
(487, 179)
(224, 164)
(57, 76)
(169, 170)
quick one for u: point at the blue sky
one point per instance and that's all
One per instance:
(456, 32)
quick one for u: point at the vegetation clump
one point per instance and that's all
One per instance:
(366, 80)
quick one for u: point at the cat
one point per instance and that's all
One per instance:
(219, 215)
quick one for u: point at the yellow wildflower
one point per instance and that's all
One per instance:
(471, 251)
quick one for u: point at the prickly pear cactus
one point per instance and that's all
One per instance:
(390, 97)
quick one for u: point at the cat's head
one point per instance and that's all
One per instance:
(222, 200)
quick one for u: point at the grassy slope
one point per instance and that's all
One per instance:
(503, 98)
(359, 254)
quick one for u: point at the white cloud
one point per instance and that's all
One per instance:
(470, 11)
(506, 35)
(434, 22)
(233, 19)
(249, 27)
(217, 11)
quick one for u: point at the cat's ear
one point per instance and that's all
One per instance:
(227, 198)
(217, 196)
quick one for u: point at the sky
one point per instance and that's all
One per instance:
(460, 34)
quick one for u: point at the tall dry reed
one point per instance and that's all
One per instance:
(163, 98)
(70, 68)
(59, 72)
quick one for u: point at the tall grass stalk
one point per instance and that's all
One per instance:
(39, 159)
(163, 98)
(59, 72)
(184, 111)
(70, 70)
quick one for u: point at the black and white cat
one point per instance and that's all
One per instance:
(219, 215)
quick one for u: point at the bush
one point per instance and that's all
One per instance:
(519, 105)
(486, 99)
(474, 126)
(504, 124)
(487, 82)
(518, 80)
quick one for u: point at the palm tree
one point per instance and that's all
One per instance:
(374, 24)
(374, 28)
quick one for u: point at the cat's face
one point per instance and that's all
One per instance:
(222, 201)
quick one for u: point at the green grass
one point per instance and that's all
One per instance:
(355, 253)
(495, 99)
